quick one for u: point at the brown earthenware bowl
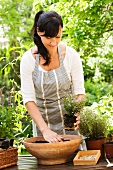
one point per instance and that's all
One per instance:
(52, 153)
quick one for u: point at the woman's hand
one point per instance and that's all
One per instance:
(77, 121)
(78, 98)
(51, 136)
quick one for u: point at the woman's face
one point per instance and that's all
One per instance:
(51, 43)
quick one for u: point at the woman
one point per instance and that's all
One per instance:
(48, 71)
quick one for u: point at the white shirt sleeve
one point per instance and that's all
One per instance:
(73, 65)
(27, 65)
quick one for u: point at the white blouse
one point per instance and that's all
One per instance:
(72, 64)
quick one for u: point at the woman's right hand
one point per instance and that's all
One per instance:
(51, 136)
(48, 134)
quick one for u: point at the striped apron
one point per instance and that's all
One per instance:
(50, 88)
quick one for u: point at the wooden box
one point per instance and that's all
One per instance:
(89, 157)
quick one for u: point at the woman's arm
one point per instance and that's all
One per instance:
(76, 73)
(77, 80)
(34, 112)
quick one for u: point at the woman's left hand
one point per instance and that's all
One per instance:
(77, 121)
(79, 97)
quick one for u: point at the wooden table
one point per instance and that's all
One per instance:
(30, 163)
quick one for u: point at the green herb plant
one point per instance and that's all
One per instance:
(93, 125)
(8, 121)
(72, 105)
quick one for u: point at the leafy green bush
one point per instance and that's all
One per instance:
(94, 91)
(14, 120)
(105, 107)
(8, 121)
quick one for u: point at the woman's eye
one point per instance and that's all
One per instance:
(51, 37)
(48, 37)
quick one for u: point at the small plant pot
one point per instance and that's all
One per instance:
(95, 144)
(108, 149)
(4, 143)
(11, 142)
(69, 122)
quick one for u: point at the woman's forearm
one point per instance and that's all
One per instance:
(36, 116)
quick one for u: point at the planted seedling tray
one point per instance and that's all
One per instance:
(89, 157)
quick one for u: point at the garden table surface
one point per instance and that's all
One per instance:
(29, 162)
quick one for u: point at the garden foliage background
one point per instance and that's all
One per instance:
(88, 28)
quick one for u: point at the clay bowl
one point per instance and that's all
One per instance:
(52, 153)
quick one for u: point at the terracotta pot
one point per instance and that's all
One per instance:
(108, 149)
(96, 145)
(52, 153)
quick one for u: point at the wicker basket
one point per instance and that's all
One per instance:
(8, 157)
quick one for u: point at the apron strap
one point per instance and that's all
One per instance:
(60, 54)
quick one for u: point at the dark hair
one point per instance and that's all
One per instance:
(49, 23)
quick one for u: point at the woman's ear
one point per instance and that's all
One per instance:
(38, 33)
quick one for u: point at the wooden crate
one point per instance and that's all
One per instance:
(8, 157)
(91, 155)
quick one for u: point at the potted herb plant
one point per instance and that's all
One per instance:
(8, 125)
(93, 126)
(108, 145)
(72, 107)
(105, 107)
(8, 120)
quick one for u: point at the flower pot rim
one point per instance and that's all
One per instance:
(92, 139)
(108, 143)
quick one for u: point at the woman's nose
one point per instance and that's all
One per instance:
(53, 41)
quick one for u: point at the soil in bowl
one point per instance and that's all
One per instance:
(63, 140)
